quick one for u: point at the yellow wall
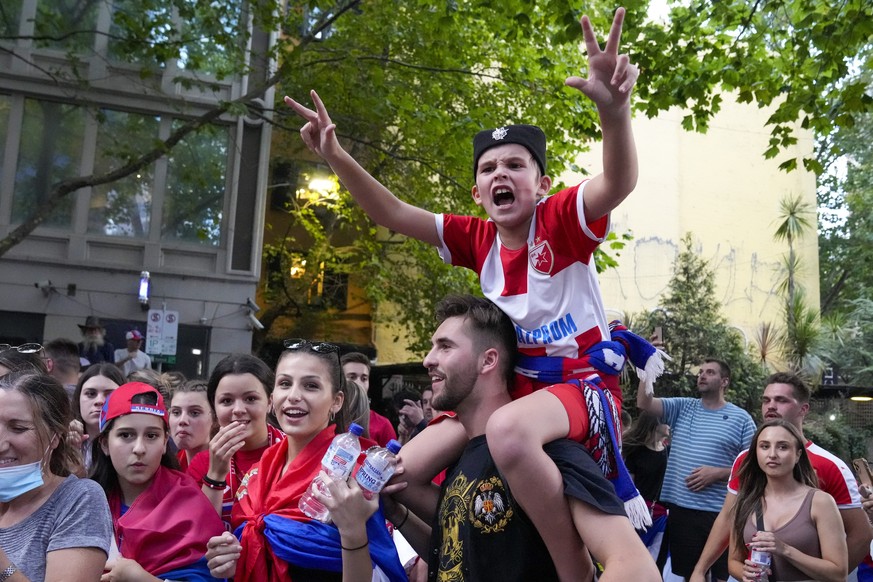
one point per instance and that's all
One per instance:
(719, 187)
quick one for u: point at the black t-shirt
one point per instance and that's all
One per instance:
(647, 467)
(480, 533)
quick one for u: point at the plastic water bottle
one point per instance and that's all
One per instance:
(378, 467)
(762, 559)
(338, 462)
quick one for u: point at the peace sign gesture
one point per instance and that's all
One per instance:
(611, 76)
(319, 132)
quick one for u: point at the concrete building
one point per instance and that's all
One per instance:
(192, 219)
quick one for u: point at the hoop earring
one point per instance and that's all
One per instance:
(332, 416)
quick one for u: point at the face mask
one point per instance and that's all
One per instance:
(16, 481)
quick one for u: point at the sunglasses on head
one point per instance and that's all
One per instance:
(31, 348)
(318, 347)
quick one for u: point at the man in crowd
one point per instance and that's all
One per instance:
(707, 434)
(415, 414)
(356, 367)
(94, 348)
(479, 531)
(786, 396)
(62, 361)
(132, 358)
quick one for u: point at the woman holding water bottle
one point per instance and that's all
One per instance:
(781, 517)
(275, 540)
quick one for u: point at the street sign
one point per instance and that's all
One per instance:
(162, 332)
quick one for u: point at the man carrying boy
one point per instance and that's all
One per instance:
(534, 257)
(478, 531)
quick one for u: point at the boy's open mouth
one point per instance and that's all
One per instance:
(503, 197)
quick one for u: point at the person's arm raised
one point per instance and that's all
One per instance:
(611, 78)
(380, 204)
(649, 402)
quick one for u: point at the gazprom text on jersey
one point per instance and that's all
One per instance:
(546, 334)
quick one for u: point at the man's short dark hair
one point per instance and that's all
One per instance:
(490, 327)
(355, 358)
(800, 388)
(723, 367)
(64, 353)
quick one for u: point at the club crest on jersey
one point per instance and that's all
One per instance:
(542, 259)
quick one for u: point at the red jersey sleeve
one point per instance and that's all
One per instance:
(734, 479)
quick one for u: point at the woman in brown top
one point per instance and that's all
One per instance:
(780, 511)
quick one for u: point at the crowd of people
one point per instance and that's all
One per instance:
(512, 466)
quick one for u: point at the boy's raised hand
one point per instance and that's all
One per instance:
(611, 76)
(319, 132)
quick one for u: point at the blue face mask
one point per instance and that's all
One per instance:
(18, 480)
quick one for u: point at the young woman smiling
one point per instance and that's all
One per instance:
(276, 540)
(162, 520)
(238, 391)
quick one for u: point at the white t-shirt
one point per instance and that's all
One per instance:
(138, 362)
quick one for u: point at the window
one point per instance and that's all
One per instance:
(4, 130)
(67, 24)
(194, 202)
(153, 24)
(49, 151)
(217, 25)
(122, 208)
(10, 14)
(335, 290)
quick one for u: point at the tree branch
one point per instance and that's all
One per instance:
(833, 293)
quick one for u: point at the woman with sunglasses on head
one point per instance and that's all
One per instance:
(192, 422)
(276, 540)
(162, 520)
(53, 526)
(780, 511)
(92, 390)
(23, 358)
(238, 390)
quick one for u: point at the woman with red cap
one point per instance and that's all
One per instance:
(161, 518)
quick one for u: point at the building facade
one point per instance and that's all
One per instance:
(76, 99)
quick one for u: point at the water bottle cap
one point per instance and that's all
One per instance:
(393, 446)
(356, 429)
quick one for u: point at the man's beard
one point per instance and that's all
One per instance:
(92, 343)
(456, 387)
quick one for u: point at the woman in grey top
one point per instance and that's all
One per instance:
(53, 526)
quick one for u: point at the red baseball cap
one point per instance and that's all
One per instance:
(119, 403)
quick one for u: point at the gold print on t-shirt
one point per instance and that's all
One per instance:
(485, 503)
(453, 512)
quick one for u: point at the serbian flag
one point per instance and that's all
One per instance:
(166, 528)
(274, 532)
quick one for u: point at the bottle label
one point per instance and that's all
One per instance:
(340, 462)
(373, 476)
(759, 557)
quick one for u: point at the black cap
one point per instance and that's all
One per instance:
(529, 136)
